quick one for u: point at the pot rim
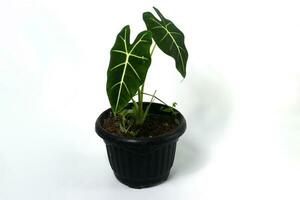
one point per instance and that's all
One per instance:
(164, 138)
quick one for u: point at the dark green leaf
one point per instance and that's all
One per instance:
(128, 67)
(168, 38)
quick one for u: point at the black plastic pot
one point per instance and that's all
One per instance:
(141, 162)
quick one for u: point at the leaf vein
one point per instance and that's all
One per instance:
(135, 72)
(119, 65)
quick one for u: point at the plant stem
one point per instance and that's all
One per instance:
(139, 119)
(140, 114)
(151, 53)
(155, 98)
(148, 107)
(152, 50)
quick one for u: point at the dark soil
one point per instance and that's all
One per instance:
(154, 125)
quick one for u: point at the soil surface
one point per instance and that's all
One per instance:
(154, 125)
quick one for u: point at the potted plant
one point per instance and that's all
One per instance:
(141, 137)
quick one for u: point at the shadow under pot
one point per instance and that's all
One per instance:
(140, 162)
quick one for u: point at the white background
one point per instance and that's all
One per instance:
(241, 98)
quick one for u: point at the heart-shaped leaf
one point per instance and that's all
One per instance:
(128, 67)
(168, 38)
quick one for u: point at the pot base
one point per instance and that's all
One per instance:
(145, 183)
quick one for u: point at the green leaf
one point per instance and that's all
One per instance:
(168, 38)
(128, 67)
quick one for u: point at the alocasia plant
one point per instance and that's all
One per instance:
(129, 63)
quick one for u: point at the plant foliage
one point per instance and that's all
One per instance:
(129, 64)
(128, 67)
(168, 38)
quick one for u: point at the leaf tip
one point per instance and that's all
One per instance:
(183, 75)
(146, 15)
(159, 13)
(156, 10)
(126, 26)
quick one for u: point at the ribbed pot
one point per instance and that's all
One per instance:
(141, 162)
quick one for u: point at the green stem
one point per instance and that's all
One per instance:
(140, 117)
(152, 50)
(148, 107)
(155, 98)
(151, 53)
(135, 105)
